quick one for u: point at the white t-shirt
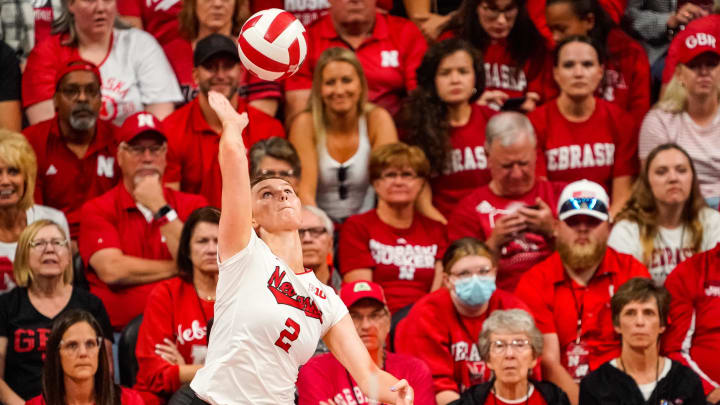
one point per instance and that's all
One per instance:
(268, 321)
(33, 214)
(668, 250)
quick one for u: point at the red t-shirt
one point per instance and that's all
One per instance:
(66, 182)
(435, 332)
(693, 334)
(505, 74)
(536, 10)
(43, 19)
(305, 11)
(193, 147)
(709, 25)
(476, 214)
(7, 279)
(323, 378)
(402, 260)
(546, 290)
(127, 397)
(113, 220)
(599, 149)
(466, 167)
(389, 57)
(175, 312)
(159, 17)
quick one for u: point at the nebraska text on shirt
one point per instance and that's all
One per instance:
(408, 255)
(580, 156)
(460, 351)
(504, 77)
(467, 158)
(194, 332)
(612, 80)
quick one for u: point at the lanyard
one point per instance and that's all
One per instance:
(202, 311)
(579, 308)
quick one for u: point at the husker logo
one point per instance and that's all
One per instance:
(285, 295)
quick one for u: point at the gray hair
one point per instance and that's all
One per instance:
(65, 24)
(507, 127)
(509, 321)
(324, 218)
(277, 148)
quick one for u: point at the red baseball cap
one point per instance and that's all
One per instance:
(350, 293)
(140, 123)
(697, 43)
(77, 64)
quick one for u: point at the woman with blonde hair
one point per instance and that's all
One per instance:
(666, 219)
(43, 271)
(18, 171)
(335, 135)
(688, 114)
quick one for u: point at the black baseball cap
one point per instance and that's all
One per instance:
(213, 45)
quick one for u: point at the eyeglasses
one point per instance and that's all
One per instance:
(314, 232)
(404, 175)
(73, 92)
(73, 346)
(500, 347)
(139, 150)
(374, 317)
(342, 176)
(467, 273)
(42, 244)
(278, 173)
(493, 13)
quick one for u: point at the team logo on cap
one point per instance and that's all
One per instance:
(701, 39)
(361, 286)
(583, 194)
(145, 120)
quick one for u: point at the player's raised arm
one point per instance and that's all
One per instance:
(236, 217)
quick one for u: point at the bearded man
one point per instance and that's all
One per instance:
(569, 293)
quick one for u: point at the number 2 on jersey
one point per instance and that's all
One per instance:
(291, 333)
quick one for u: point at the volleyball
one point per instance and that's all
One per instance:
(272, 44)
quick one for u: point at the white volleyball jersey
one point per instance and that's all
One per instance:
(268, 321)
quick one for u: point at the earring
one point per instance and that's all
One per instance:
(474, 90)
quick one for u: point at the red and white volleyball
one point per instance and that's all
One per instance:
(272, 44)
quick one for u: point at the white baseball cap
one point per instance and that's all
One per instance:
(583, 197)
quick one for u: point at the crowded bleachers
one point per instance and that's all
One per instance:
(521, 196)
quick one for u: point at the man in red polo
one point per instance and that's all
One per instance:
(569, 293)
(129, 235)
(75, 150)
(194, 130)
(389, 48)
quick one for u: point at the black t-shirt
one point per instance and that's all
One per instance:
(9, 74)
(27, 331)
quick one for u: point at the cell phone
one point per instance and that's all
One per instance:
(513, 104)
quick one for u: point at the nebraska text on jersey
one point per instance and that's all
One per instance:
(579, 156)
(285, 294)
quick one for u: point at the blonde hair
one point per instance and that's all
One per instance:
(16, 151)
(675, 97)
(398, 154)
(315, 104)
(21, 266)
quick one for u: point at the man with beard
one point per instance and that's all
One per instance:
(194, 130)
(129, 236)
(75, 150)
(569, 293)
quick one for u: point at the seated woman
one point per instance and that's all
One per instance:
(581, 136)
(640, 375)
(275, 156)
(666, 219)
(446, 123)
(510, 344)
(442, 327)
(172, 340)
(77, 367)
(688, 114)
(335, 136)
(18, 171)
(135, 72)
(394, 245)
(43, 271)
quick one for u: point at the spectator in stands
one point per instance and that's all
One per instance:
(172, 341)
(10, 115)
(335, 136)
(75, 150)
(324, 379)
(626, 81)
(517, 66)
(316, 235)
(393, 244)
(666, 219)
(451, 128)
(640, 375)
(606, 153)
(513, 213)
(275, 156)
(689, 112)
(43, 271)
(18, 171)
(135, 73)
(442, 328)
(129, 235)
(388, 48)
(569, 293)
(510, 345)
(78, 368)
(25, 23)
(194, 130)
(431, 17)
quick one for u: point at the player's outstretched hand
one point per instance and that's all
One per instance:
(226, 112)
(405, 393)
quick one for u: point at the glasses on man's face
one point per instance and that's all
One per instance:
(467, 273)
(342, 176)
(493, 13)
(42, 244)
(314, 232)
(139, 150)
(277, 173)
(374, 317)
(72, 92)
(517, 345)
(73, 347)
(404, 175)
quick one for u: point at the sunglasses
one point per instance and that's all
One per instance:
(342, 176)
(593, 204)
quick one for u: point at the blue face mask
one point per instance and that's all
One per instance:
(475, 291)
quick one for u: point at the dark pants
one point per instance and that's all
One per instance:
(186, 396)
